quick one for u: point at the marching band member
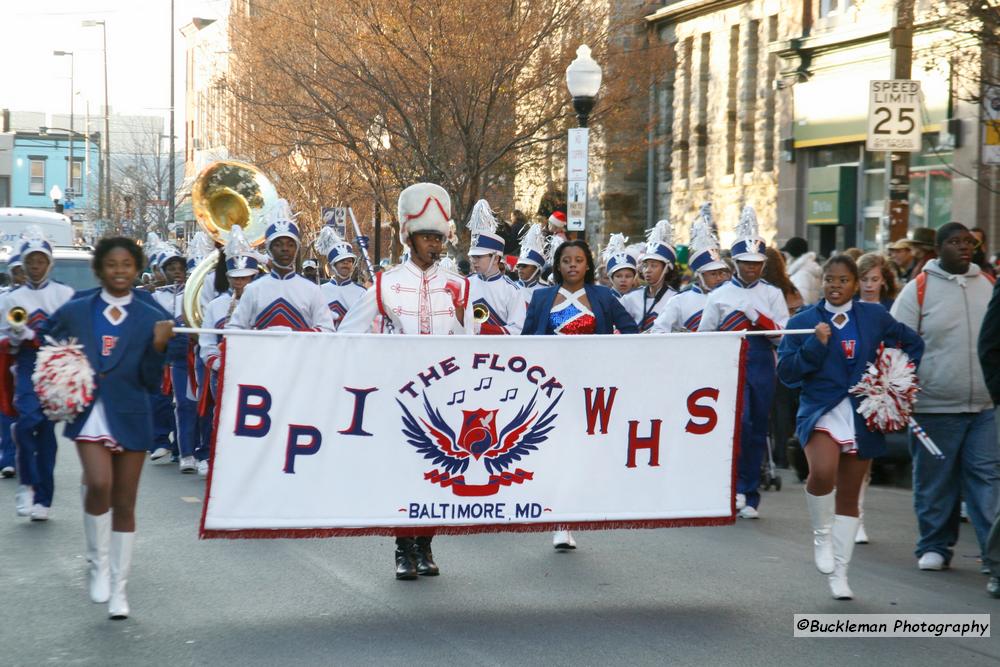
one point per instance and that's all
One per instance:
(34, 435)
(619, 265)
(575, 305)
(683, 312)
(200, 247)
(8, 450)
(417, 297)
(283, 298)
(124, 340)
(657, 263)
(310, 270)
(531, 261)
(341, 292)
(490, 288)
(242, 265)
(747, 302)
(836, 440)
(170, 297)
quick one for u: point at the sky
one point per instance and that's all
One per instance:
(32, 79)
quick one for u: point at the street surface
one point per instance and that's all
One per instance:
(684, 596)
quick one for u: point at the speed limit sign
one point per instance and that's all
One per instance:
(894, 116)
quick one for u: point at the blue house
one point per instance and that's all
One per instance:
(41, 161)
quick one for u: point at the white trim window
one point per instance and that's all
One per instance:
(828, 8)
(36, 177)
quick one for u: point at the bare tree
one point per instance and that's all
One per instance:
(379, 94)
(140, 186)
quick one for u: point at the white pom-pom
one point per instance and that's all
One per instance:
(63, 379)
(888, 391)
(482, 218)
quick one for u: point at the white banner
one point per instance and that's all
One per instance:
(352, 434)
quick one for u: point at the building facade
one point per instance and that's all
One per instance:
(765, 102)
(40, 162)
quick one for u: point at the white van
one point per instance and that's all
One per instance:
(57, 227)
(72, 265)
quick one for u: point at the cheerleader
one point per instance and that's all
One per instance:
(342, 292)
(125, 341)
(657, 263)
(490, 288)
(530, 262)
(34, 435)
(683, 312)
(747, 302)
(575, 305)
(620, 265)
(282, 299)
(838, 444)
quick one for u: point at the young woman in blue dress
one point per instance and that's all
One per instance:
(838, 444)
(124, 340)
(575, 305)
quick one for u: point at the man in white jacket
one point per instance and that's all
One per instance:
(946, 305)
(803, 269)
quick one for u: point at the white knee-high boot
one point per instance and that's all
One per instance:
(821, 509)
(121, 562)
(98, 531)
(862, 536)
(845, 528)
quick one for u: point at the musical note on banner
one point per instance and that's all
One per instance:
(458, 396)
(485, 383)
(511, 393)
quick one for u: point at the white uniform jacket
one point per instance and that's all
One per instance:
(412, 301)
(273, 301)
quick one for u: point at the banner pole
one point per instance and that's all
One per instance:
(287, 332)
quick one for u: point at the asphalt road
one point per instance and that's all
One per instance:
(687, 596)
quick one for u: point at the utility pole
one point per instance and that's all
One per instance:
(173, 166)
(897, 164)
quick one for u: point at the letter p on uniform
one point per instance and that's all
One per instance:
(295, 447)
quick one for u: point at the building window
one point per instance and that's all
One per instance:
(749, 126)
(76, 178)
(769, 96)
(36, 185)
(833, 7)
(731, 98)
(701, 129)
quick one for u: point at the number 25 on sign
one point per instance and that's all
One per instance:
(894, 116)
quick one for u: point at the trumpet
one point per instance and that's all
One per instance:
(480, 313)
(17, 317)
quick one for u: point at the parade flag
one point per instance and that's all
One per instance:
(323, 435)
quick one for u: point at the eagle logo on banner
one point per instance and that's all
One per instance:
(478, 442)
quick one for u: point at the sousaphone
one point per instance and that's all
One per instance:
(226, 193)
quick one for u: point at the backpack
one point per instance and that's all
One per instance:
(922, 292)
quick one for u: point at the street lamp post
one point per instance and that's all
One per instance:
(72, 134)
(583, 79)
(55, 194)
(72, 94)
(106, 195)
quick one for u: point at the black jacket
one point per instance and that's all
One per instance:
(989, 345)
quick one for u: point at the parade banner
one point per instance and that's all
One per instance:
(323, 435)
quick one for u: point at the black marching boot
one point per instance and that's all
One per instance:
(405, 568)
(423, 558)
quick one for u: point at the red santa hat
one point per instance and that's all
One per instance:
(558, 219)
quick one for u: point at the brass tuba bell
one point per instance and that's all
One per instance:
(226, 193)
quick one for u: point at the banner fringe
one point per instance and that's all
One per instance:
(411, 530)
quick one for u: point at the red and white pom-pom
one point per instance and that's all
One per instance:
(63, 379)
(888, 390)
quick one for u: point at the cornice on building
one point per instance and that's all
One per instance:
(689, 9)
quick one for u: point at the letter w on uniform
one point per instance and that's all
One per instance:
(598, 408)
